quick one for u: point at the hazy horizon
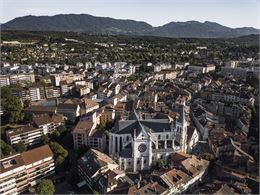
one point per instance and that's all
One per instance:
(232, 13)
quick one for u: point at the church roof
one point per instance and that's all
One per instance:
(129, 126)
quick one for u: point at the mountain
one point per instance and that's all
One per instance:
(76, 23)
(105, 25)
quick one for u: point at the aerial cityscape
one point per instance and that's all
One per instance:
(98, 100)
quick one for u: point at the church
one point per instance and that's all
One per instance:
(139, 143)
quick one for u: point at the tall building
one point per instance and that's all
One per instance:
(21, 171)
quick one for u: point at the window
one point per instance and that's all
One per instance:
(159, 136)
(127, 138)
(144, 161)
(167, 136)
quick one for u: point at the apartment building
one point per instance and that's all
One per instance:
(107, 115)
(70, 111)
(66, 89)
(34, 93)
(21, 171)
(22, 78)
(21, 93)
(86, 134)
(202, 69)
(4, 80)
(30, 134)
(99, 172)
(68, 77)
(90, 105)
(52, 92)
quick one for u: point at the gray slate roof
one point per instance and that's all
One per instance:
(128, 126)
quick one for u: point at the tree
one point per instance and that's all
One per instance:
(160, 163)
(28, 116)
(13, 109)
(26, 103)
(20, 147)
(208, 156)
(45, 187)
(55, 135)
(44, 139)
(6, 92)
(61, 129)
(6, 149)
(43, 83)
(59, 152)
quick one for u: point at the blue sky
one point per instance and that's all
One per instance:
(232, 13)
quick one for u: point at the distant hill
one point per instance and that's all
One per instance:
(105, 25)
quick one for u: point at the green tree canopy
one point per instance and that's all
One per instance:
(45, 187)
(20, 147)
(26, 103)
(55, 136)
(61, 129)
(13, 109)
(59, 152)
(6, 92)
(6, 149)
(44, 139)
(160, 163)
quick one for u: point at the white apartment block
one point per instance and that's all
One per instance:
(34, 94)
(30, 135)
(21, 171)
(4, 81)
(67, 77)
(22, 78)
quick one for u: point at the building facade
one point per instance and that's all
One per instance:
(137, 144)
(21, 171)
(31, 134)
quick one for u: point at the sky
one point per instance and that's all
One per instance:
(231, 13)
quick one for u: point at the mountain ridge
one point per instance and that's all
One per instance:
(106, 25)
